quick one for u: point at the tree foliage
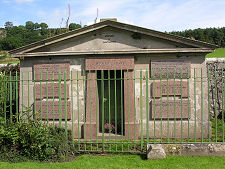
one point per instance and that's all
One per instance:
(74, 26)
(29, 26)
(210, 35)
(18, 36)
(8, 25)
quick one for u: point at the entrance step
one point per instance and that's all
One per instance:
(110, 136)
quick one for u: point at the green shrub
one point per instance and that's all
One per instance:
(218, 129)
(3, 90)
(34, 140)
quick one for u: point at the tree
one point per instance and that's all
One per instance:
(10, 43)
(29, 26)
(16, 31)
(36, 26)
(43, 25)
(74, 26)
(8, 25)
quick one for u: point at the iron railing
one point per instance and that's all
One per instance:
(121, 110)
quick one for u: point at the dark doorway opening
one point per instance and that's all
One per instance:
(111, 101)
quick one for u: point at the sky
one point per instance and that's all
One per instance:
(162, 15)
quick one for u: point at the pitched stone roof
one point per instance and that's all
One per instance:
(195, 45)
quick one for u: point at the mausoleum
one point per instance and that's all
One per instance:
(118, 80)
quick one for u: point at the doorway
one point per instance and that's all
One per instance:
(110, 84)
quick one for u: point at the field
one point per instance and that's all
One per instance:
(219, 53)
(124, 161)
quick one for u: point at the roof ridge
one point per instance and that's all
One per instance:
(134, 28)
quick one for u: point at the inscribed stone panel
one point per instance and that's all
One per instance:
(50, 91)
(109, 63)
(174, 67)
(50, 69)
(162, 108)
(162, 88)
(50, 114)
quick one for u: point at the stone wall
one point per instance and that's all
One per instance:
(142, 63)
(197, 111)
(75, 105)
(216, 74)
(159, 151)
(2, 33)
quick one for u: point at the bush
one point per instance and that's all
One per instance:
(218, 130)
(3, 90)
(34, 140)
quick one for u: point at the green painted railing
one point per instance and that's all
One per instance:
(121, 110)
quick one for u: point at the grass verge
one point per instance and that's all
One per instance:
(124, 161)
(218, 53)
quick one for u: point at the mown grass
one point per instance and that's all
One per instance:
(9, 61)
(124, 161)
(218, 53)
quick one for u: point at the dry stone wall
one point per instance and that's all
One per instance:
(216, 78)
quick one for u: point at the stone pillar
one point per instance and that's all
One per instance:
(131, 125)
(92, 104)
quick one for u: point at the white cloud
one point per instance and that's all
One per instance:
(53, 19)
(106, 8)
(188, 15)
(161, 15)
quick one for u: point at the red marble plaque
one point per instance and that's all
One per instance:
(162, 109)
(162, 89)
(50, 90)
(174, 67)
(109, 63)
(50, 69)
(50, 114)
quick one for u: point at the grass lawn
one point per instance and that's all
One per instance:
(218, 53)
(9, 61)
(124, 161)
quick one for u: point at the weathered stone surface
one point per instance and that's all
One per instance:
(50, 69)
(50, 91)
(195, 149)
(221, 65)
(174, 67)
(165, 107)
(53, 114)
(155, 151)
(109, 63)
(162, 88)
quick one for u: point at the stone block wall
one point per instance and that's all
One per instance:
(195, 116)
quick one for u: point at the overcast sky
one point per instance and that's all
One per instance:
(162, 15)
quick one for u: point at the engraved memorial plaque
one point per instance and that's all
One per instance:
(49, 91)
(174, 68)
(109, 63)
(50, 114)
(162, 89)
(51, 68)
(165, 109)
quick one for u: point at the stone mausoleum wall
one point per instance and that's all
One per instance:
(196, 113)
